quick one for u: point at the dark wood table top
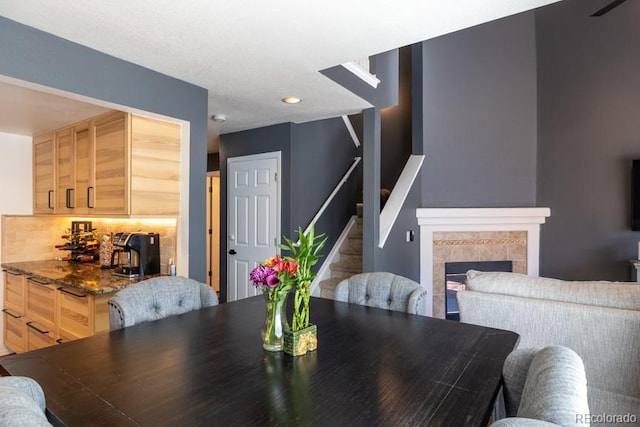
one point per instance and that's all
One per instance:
(207, 367)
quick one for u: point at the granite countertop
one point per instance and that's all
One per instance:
(88, 276)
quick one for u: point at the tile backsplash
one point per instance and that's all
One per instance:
(33, 238)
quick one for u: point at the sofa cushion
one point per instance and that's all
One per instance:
(623, 295)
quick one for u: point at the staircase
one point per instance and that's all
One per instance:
(350, 259)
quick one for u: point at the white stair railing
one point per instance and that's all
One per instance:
(333, 193)
(352, 131)
(397, 197)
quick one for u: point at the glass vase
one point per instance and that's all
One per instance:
(275, 322)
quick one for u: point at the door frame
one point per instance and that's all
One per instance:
(252, 157)
(213, 230)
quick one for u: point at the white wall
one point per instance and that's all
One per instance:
(16, 189)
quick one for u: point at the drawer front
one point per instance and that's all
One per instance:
(74, 313)
(39, 337)
(64, 337)
(15, 332)
(41, 303)
(14, 291)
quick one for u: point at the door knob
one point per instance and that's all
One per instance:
(232, 252)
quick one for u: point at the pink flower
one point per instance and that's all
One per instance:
(260, 275)
(272, 281)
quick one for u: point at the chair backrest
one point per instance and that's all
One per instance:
(22, 402)
(383, 290)
(156, 298)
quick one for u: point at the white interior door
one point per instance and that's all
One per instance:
(253, 223)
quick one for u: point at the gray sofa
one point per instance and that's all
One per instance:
(600, 321)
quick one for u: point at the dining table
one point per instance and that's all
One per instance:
(372, 367)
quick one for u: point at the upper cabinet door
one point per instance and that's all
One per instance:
(155, 167)
(84, 164)
(111, 177)
(65, 159)
(44, 174)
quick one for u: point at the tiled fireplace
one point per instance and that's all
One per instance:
(475, 234)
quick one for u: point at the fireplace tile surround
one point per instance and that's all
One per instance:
(476, 234)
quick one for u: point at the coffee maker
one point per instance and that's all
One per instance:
(141, 254)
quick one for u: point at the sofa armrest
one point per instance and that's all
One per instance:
(556, 388)
(522, 422)
(514, 374)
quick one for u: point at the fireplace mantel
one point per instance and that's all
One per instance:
(434, 220)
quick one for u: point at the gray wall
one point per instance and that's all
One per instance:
(401, 136)
(315, 156)
(321, 153)
(255, 141)
(396, 126)
(38, 57)
(480, 116)
(589, 102)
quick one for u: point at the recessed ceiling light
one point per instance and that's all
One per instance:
(291, 100)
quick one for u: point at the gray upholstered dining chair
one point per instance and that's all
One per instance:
(156, 298)
(22, 402)
(383, 290)
(544, 387)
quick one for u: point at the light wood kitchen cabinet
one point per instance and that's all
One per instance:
(44, 174)
(113, 164)
(30, 305)
(40, 305)
(155, 167)
(110, 133)
(65, 171)
(14, 291)
(64, 337)
(39, 314)
(15, 333)
(39, 336)
(83, 168)
(81, 314)
(75, 166)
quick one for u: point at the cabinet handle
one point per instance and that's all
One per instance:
(90, 197)
(13, 273)
(9, 313)
(66, 291)
(69, 202)
(60, 341)
(37, 281)
(50, 197)
(32, 326)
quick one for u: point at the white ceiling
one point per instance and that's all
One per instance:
(251, 53)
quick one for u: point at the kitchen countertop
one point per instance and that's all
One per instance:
(87, 276)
